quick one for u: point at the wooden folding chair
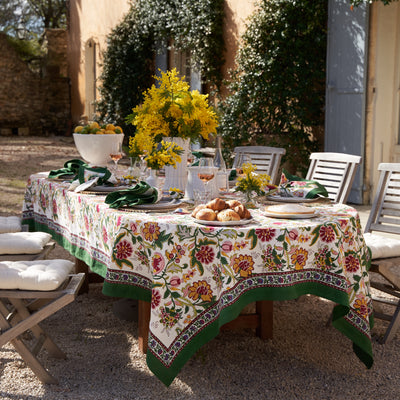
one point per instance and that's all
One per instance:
(21, 310)
(382, 235)
(267, 159)
(335, 171)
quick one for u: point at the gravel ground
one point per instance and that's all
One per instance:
(305, 360)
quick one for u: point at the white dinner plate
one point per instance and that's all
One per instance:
(224, 223)
(290, 216)
(107, 189)
(283, 199)
(162, 205)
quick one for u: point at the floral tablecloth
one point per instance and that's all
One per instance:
(197, 278)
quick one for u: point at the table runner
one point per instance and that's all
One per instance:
(198, 278)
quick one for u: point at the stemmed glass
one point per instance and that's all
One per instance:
(206, 172)
(116, 154)
(242, 158)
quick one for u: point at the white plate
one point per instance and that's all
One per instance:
(290, 216)
(224, 223)
(107, 189)
(291, 199)
(162, 205)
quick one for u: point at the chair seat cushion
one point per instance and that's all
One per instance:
(43, 275)
(23, 242)
(10, 224)
(382, 246)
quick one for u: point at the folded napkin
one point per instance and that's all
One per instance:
(141, 193)
(294, 186)
(71, 167)
(88, 177)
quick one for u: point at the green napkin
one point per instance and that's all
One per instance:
(71, 167)
(232, 175)
(86, 173)
(294, 186)
(141, 193)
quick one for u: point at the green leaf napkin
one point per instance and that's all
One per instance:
(141, 193)
(71, 167)
(294, 186)
(86, 173)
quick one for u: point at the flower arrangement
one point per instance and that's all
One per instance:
(158, 155)
(95, 128)
(251, 182)
(172, 110)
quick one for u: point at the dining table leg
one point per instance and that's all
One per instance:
(144, 308)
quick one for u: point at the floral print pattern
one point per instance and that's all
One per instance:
(191, 273)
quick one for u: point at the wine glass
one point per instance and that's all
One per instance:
(242, 158)
(116, 154)
(206, 172)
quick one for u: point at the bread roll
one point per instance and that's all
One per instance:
(197, 209)
(228, 215)
(206, 214)
(217, 204)
(233, 203)
(243, 212)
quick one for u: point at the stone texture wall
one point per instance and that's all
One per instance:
(35, 103)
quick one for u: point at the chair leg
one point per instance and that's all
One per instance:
(393, 326)
(37, 330)
(23, 350)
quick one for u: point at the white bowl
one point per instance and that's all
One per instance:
(96, 149)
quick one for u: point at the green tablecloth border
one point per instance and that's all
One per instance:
(361, 344)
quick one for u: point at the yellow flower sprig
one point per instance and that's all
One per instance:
(162, 154)
(251, 181)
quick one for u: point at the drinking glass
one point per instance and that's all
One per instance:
(206, 172)
(242, 158)
(116, 154)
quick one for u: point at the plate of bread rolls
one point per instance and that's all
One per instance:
(220, 212)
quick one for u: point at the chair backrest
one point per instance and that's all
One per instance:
(267, 159)
(385, 211)
(335, 171)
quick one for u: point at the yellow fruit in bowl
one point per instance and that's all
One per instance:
(110, 127)
(94, 125)
(78, 129)
(118, 129)
(109, 132)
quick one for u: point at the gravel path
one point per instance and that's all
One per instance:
(305, 360)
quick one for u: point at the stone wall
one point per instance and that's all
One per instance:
(35, 103)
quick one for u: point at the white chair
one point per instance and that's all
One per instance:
(335, 171)
(31, 291)
(267, 159)
(382, 235)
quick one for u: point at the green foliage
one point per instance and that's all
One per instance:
(278, 90)
(194, 26)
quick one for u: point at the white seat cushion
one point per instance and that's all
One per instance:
(382, 246)
(23, 242)
(10, 224)
(43, 275)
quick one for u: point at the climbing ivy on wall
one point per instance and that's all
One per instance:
(128, 68)
(277, 92)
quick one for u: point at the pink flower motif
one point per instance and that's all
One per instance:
(327, 234)
(105, 235)
(175, 281)
(227, 246)
(155, 298)
(265, 235)
(205, 254)
(133, 227)
(293, 234)
(158, 263)
(352, 264)
(123, 250)
(97, 208)
(119, 221)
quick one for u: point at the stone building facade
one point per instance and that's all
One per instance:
(35, 103)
